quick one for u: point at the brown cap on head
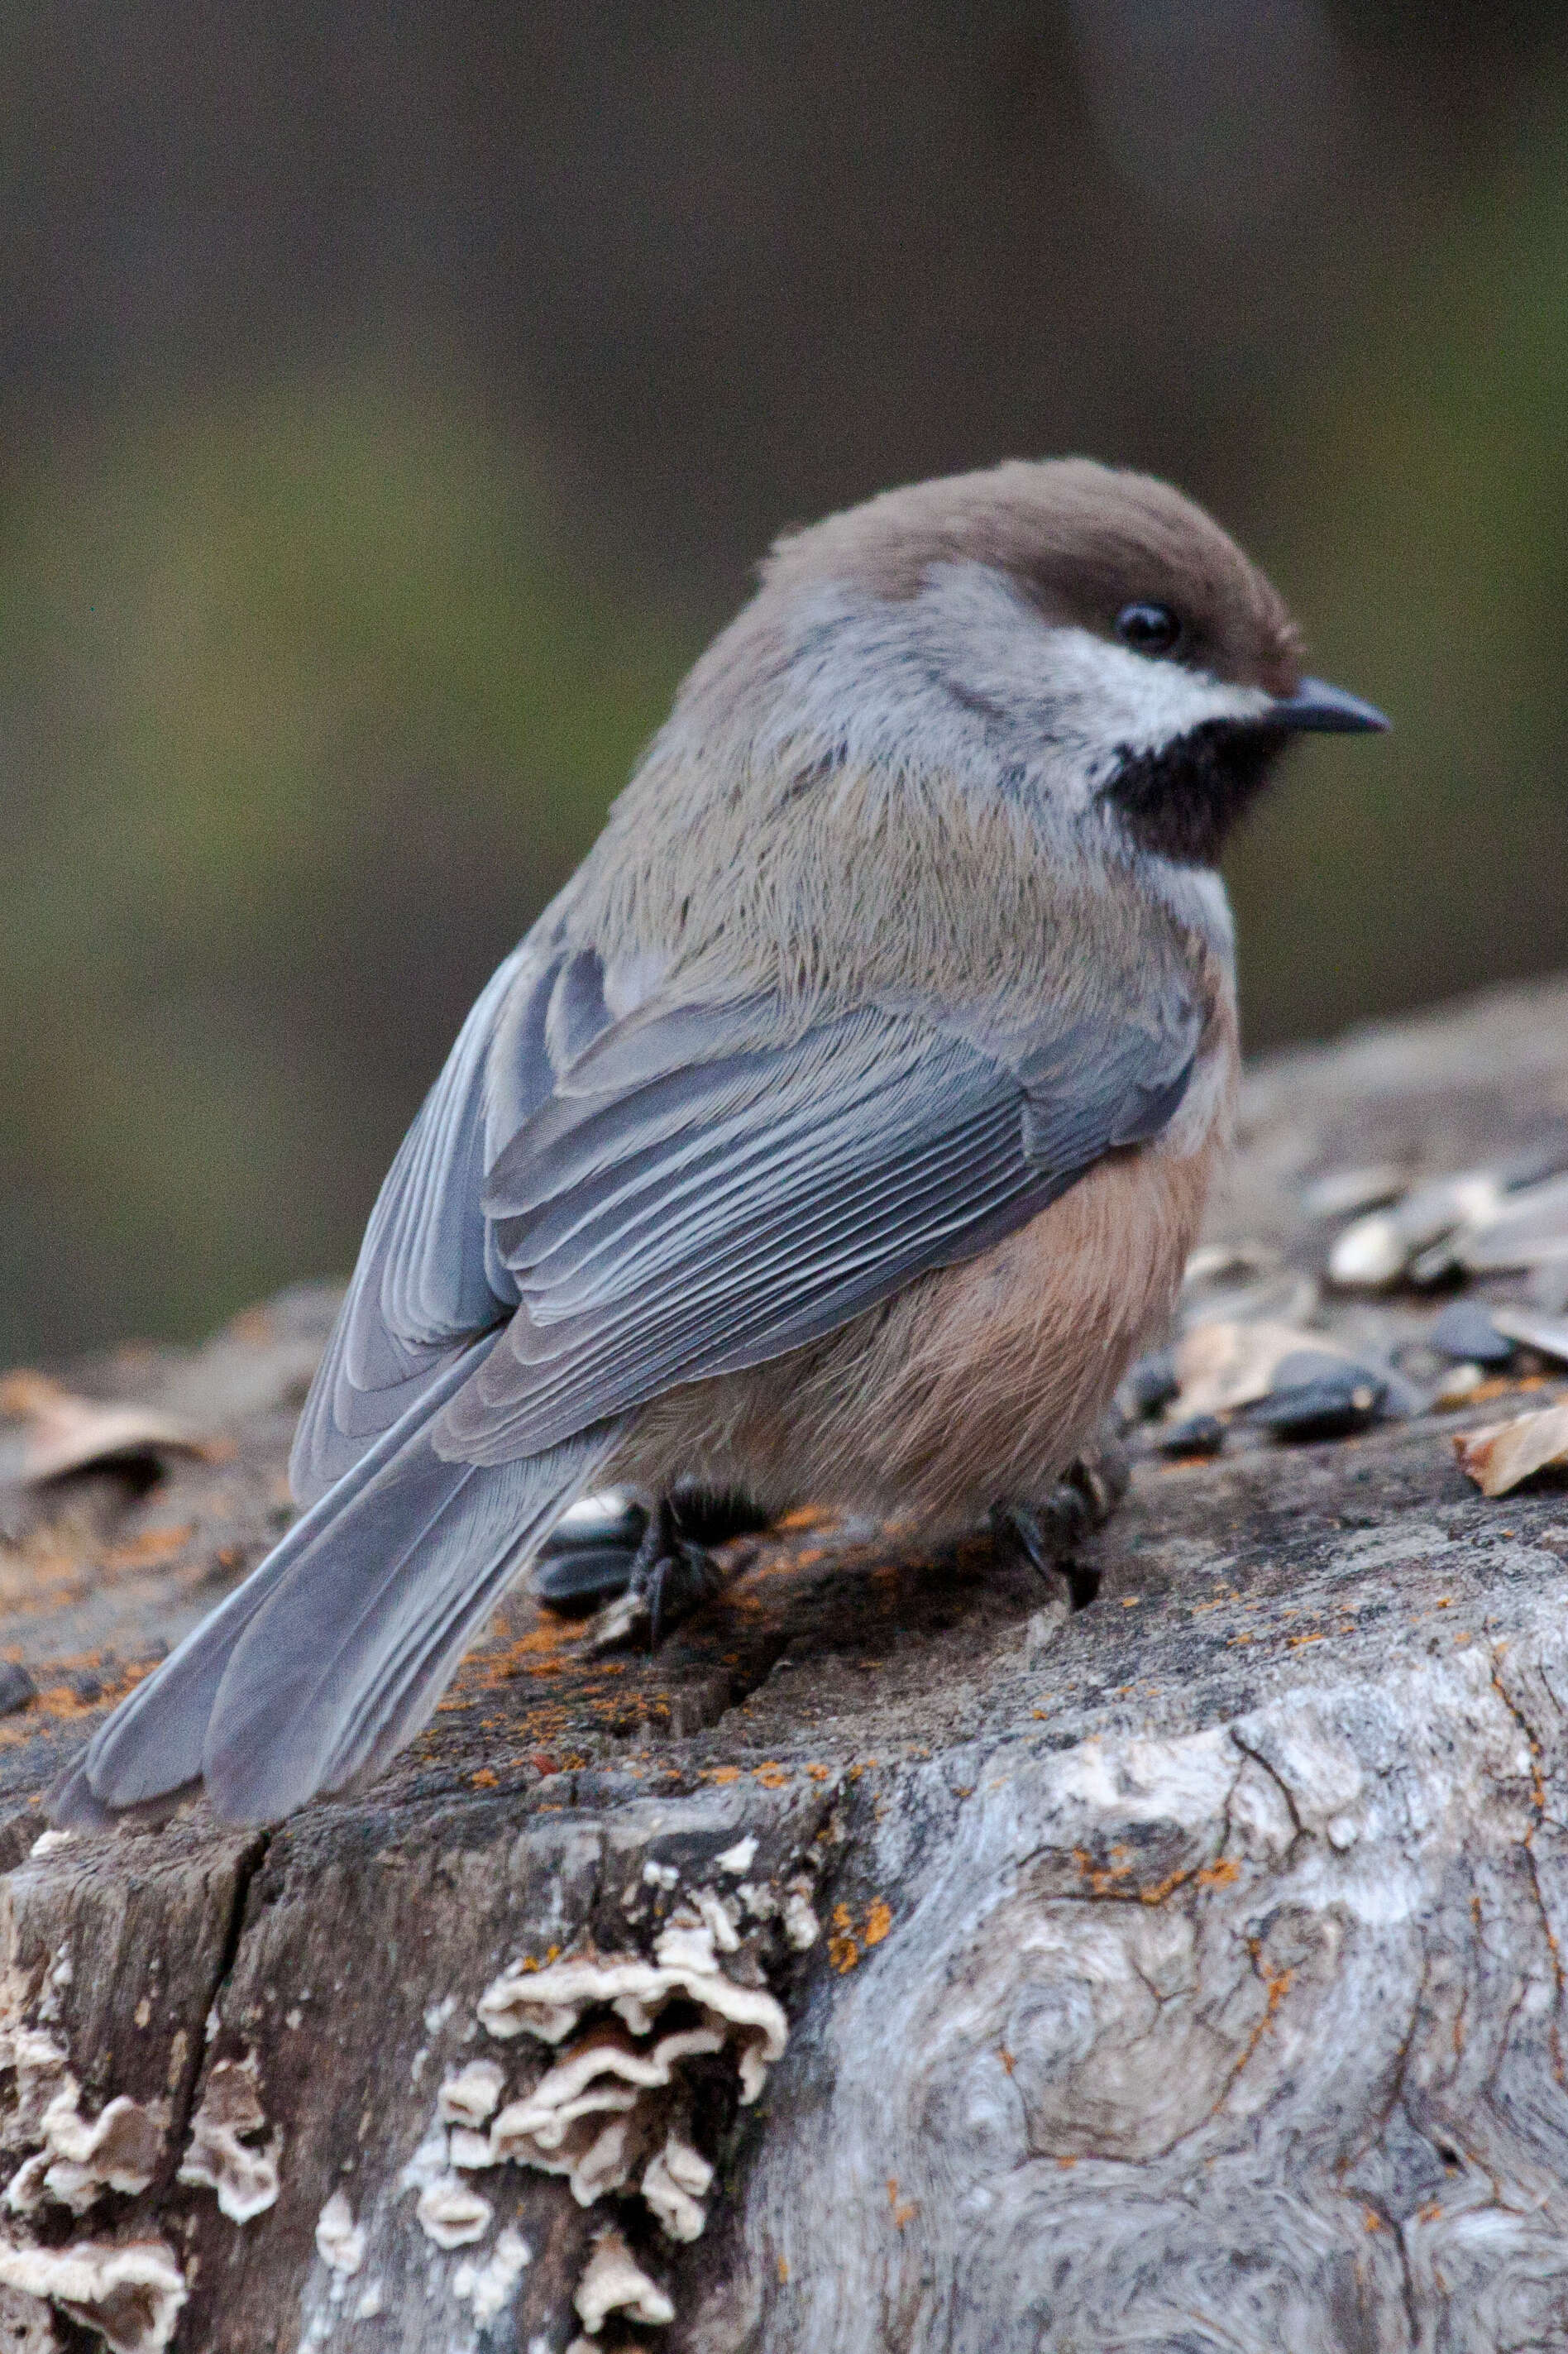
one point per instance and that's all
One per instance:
(1083, 541)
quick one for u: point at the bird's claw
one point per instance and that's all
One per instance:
(1049, 1532)
(671, 1576)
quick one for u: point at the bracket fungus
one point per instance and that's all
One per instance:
(81, 2158)
(468, 2096)
(614, 2282)
(548, 2003)
(577, 2119)
(451, 2213)
(130, 2291)
(340, 2241)
(217, 2157)
(612, 2111)
(675, 2184)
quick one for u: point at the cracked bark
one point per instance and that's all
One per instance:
(1191, 1982)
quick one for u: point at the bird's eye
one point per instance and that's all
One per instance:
(1147, 629)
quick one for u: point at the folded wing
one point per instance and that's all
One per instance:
(429, 1279)
(706, 1189)
(700, 1186)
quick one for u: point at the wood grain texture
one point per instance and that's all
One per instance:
(1185, 1975)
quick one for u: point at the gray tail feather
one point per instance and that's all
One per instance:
(337, 1649)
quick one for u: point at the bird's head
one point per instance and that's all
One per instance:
(1078, 633)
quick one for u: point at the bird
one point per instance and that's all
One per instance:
(838, 1134)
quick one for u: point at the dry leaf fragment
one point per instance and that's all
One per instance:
(1547, 1333)
(63, 1433)
(1502, 1454)
(1225, 1365)
(1530, 1228)
(1346, 1192)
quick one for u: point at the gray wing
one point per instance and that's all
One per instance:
(429, 1278)
(702, 1193)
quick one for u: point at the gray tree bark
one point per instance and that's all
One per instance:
(895, 1963)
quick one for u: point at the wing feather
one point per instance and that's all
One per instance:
(698, 1186)
(427, 1277)
(666, 1219)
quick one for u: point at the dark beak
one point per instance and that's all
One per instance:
(1327, 709)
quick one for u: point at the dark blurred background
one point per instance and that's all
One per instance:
(393, 400)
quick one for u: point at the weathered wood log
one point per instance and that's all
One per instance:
(898, 1962)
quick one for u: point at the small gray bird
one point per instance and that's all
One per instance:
(836, 1135)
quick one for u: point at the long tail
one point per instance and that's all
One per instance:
(338, 1645)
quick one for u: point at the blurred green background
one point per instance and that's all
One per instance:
(391, 403)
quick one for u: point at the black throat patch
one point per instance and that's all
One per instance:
(1183, 800)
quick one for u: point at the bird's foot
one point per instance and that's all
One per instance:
(671, 1576)
(650, 1572)
(1049, 1532)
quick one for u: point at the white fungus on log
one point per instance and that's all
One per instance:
(609, 2105)
(560, 2125)
(470, 2151)
(547, 2003)
(452, 2214)
(218, 2156)
(131, 2292)
(675, 2184)
(488, 2286)
(469, 2095)
(340, 2241)
(81, 2158)
(614, 2282)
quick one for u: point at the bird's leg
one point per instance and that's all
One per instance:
(672, 1573)
(1049, 1532)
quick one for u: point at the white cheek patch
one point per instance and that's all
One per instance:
(1122, 700)
(969, 677)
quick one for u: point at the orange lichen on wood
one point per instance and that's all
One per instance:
(843, 1949)
(153, 1545)
(902, 2211)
